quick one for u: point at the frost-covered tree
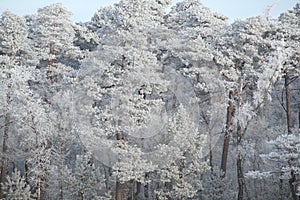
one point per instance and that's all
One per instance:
(188, 50)
(129, 21)
(24, 108)
(24, 117)
(87, 183)
(122, 94)
(249, 66)
(13, 34)
(85, 38)
(180, 162)
(285, 156)
(131, 166)
(287, 30)
(16, 187)
(12, 39)
(127, 92)
(63, 137)
(191, 29)
(126, 86)
(217, 188)
(150, 100)
(52, 35)
(193, 19)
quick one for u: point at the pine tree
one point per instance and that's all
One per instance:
(88, 182)
(17, 188)
(180, 162)
(52, 35)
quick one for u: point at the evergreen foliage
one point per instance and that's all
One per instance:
(147, 102)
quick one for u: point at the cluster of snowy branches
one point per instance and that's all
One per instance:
(142, 103)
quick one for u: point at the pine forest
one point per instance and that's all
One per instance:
(149, 101)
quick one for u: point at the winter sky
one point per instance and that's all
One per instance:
(84, 10)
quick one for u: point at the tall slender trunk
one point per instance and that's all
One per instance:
(299, 129)
(210, 152)
(62, 157)
(147, 187)
(239, 165)
(239, 160)
(292, 180)
(119, 185)
(292, 183)
(158, 188)
(288, 102)
(138, 188)
(26, 171)
(133, 185)
(240, 176)
(280, 189)
(299, 118)
(119, 190)
(227, 134)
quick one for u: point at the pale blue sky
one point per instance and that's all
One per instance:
(84, 10)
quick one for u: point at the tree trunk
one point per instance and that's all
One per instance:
(292, 180)
(239, 160)
(147, 187)
(292, 183)
(61, 183)
(210, 152)
(239, 165)
(119, 190)
(138, 188)
(26, 171)
(62, 159)
(227, 135)
(119, 185)
(240, 176)
(288, 102)
(280, 189)
(39, 185)
(299, 118)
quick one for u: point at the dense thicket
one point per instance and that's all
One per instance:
(145, 103)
